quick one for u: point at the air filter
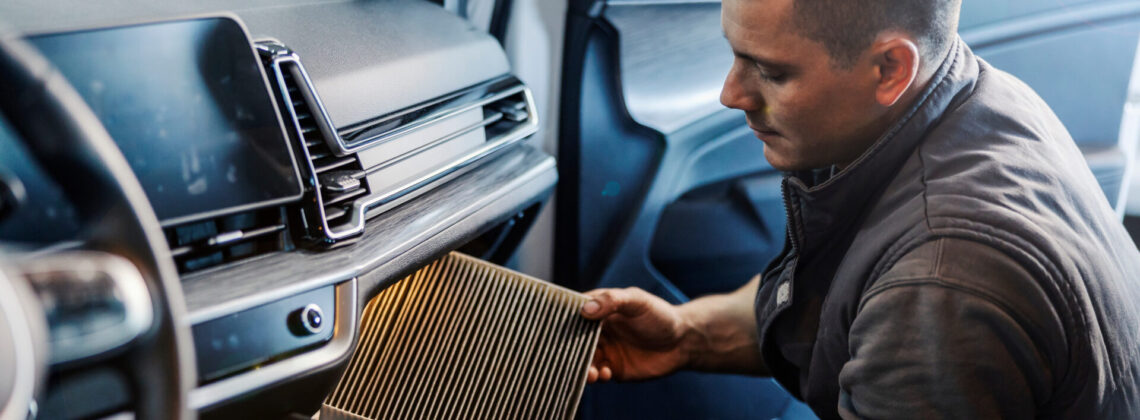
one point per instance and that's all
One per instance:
(464, 338)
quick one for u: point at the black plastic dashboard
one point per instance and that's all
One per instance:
(307, 161)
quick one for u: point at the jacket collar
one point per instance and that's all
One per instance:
(820, 202)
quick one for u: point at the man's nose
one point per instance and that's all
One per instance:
(736, 95)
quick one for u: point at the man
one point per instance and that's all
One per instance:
(949, 252)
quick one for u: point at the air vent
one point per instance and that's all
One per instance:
(411, 151)
(369, 167)
(505, 115)
(339, 179)
(207, 243)
(505, 101)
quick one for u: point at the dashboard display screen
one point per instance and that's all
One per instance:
(188, 104)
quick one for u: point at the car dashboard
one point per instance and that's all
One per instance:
(300, 156)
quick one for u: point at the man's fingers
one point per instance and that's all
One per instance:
(593, 309)
(599, 374)
(603, 302)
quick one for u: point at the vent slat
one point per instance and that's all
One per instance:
(463, 338)
(180, 251)
(345, 196)
(211, 242)
(325, 167)
(268, 230)
(316, 155)
(334, 212)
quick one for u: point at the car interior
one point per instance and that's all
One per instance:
(351, 209)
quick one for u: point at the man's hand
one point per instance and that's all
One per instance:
(645, 337)
(641, 338)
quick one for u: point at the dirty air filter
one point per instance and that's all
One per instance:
(463, 338)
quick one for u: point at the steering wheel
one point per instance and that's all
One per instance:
(122, 251)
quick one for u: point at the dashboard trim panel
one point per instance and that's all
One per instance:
(344, 337)
(505, 183)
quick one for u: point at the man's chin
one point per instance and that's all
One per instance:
(782, 162)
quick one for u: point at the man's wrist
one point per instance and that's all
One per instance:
(694, 341)
(718, 334)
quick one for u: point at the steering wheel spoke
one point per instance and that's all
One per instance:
(95, 302)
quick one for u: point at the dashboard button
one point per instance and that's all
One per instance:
(307, 321)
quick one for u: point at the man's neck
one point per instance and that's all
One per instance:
(899, 109)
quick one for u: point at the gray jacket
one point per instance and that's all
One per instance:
(966, 266)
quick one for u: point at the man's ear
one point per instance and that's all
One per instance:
(897, 61)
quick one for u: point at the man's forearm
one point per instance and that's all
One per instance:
(721, 332)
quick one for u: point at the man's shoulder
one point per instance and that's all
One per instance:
(969, 268)
(1000, 104)
(1002, 165)
(999, 92)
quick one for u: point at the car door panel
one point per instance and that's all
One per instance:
(646, 128)
(662, 187)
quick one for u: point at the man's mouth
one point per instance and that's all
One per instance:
(762, 131)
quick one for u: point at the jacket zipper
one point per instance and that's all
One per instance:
(793, 222)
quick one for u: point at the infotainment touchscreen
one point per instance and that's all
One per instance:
(189, 106)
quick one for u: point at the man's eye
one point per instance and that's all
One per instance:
(772, 76)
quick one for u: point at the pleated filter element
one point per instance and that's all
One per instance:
(464, 338)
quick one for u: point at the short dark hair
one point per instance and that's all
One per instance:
(848, 27)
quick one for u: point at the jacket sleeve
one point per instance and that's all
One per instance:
(949, 335)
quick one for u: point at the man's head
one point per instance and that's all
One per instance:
(821, 80)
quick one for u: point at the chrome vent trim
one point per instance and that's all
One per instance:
(332, 197)
(386, 128)
(463, 338)
(333, 181)
(342, 198)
